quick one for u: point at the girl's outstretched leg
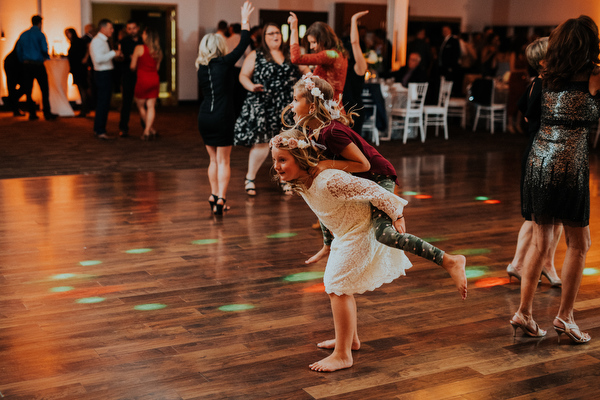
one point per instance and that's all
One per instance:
(344, 320)
(386, 234)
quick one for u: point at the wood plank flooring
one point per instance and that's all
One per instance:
(114, 274)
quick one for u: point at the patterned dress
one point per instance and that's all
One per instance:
(357, 261)
(556, 185)
(260, 118)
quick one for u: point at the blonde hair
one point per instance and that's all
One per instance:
(536, 51)
(322, 102)
(306, 157)
(153, 44)
(211, 46)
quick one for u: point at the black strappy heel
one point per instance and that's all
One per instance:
(213, 202)
(219, 208)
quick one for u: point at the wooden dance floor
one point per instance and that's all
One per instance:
(118, 283)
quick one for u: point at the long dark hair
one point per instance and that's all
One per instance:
(265, 49)
(573, 49)
(325, 37)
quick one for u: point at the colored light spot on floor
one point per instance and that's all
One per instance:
(304, 276)
(318, 288)
(471, 252)
(475, 271)
(492, 201)
(149, 307)
(205, 241)
(63, 276)
(90, 300)
(434, 239)
(89, 263)
(591, 271)
(481, 198)
(95, 291)
(423, 196)
(490, 282)
(60, 289)
(236, 307)
(138, 251)
(282, 235)
(408, 193)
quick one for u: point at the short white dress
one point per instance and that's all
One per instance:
(357, 261)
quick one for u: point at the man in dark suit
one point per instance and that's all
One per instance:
(411, 72)
(448, 58)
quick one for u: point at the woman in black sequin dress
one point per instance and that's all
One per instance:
(556, 183)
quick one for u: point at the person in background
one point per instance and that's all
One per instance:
(32, 49)
(216, 119)
(448, 58)
(128, 77)
(78, 56)
(145, 61)
(355, 74)
(411, 72)
(14, 81)
(269, 77)
(102, 57)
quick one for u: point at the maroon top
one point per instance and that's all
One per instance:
(337, 136)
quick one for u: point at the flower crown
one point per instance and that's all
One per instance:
(290, 143)
(331, 106)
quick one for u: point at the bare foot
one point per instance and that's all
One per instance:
(330, 344)
(332, 363)
(455, 265)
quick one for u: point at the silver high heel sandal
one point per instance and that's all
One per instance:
(512, 273)
(518, 321)
(568, 330)
(553, 282)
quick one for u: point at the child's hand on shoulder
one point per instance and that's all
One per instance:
(400, 225)
(320, 167)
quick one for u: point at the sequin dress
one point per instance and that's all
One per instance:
(556, 185)
(357, 261)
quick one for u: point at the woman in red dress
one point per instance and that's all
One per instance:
(146, 60)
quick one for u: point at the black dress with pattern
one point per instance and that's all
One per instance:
(260, 118)
(556, 185)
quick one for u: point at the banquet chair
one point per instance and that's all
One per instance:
(370, 124)
(411, 114)
(485, 106)
(438, 115)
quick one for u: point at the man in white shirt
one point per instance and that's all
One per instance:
(102, 58)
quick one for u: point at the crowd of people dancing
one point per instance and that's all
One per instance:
(260, 92)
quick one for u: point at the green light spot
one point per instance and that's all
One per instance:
(304, 276)
(282, 235)
(476, 271)
(138, 251)
(205, 241)
(90, 263)
(471, 252)
(149, 307)
(60, 289)
(434, 239)
(408, 193)
(481, 198)
(90, 300)
(590, 271)
(64, 276)
(236, 307)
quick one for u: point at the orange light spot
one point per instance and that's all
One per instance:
(318, 288)
(492, 202)
(423, 196)
(489, 282)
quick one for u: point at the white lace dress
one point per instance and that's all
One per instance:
(357, 261)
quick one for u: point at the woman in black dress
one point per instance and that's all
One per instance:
(216, 118)
(556, 185)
